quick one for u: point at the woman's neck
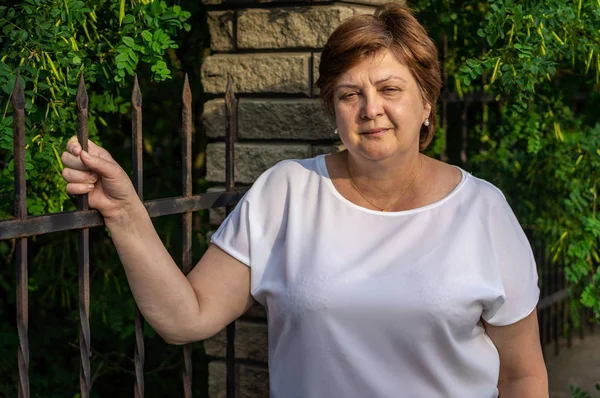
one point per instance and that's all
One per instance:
(390, 174)
(385, 183)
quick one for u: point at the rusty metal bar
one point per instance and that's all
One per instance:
(18, 103)
(463, 134)
(581, 315)
(138, 177)
(83, 238)
(564, 320)
(537, 248)
(186, 179)
(39, 225)
(548, 310)
(554, 298)
(559, 306)
(230, 185)
(556, 309)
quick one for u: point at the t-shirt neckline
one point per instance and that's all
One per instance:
(322, 167)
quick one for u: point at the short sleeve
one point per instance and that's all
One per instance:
(516, 269)
(233, 235)
(251, 232)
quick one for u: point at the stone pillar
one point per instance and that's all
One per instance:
(271, 48)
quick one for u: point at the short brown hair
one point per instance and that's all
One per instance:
(393, 27)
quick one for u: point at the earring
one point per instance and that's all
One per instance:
(426, 123)
(335, 132)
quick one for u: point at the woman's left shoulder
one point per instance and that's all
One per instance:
(471, 186)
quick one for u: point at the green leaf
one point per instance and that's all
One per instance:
(129, 42)
(133, 57)
(122, 57)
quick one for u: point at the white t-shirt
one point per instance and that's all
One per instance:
(367, 304)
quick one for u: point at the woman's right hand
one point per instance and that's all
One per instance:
(96, 173)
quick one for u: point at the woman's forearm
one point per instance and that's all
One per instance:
(162, 292)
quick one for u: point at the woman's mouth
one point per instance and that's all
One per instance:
(374, 132)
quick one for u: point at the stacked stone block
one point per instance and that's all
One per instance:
(271, 49)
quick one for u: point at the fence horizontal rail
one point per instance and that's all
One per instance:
(39, 225)
(546, 302)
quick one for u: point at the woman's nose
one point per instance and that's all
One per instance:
(371, 107)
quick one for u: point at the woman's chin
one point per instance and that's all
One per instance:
(376, 152)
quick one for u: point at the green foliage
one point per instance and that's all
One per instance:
(576, 392)
(541, 145)
(51, 43)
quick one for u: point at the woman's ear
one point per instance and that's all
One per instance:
(426, 110)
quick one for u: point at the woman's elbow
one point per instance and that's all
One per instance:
(187, 336)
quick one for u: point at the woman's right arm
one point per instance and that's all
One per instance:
(181, 309)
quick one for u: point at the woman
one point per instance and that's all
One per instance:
(384, 273)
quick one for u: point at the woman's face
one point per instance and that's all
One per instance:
(379, 108)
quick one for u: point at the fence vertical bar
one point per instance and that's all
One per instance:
(186, 265)
(83, 238)
(136, 149)
(556, 307)
(548, 291)
(230, 185)
(581, 315)
(463, 134)
(18, 103)
(538, 249)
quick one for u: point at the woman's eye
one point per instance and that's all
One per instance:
(390, 89)
(348, 96)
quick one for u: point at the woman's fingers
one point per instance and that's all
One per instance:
(72, 156)
(79, 189)
(72, 161)
(74, 147)
(96, 163)
(78, 176)
(94, 149)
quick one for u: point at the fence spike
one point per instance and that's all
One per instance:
(18, 102)
(230, 133)
(81, 98)
(187, 92)
(136, 137)
(18, 98)
(136, 94)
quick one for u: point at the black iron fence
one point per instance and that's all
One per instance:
(553, 307)
(22, 227)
